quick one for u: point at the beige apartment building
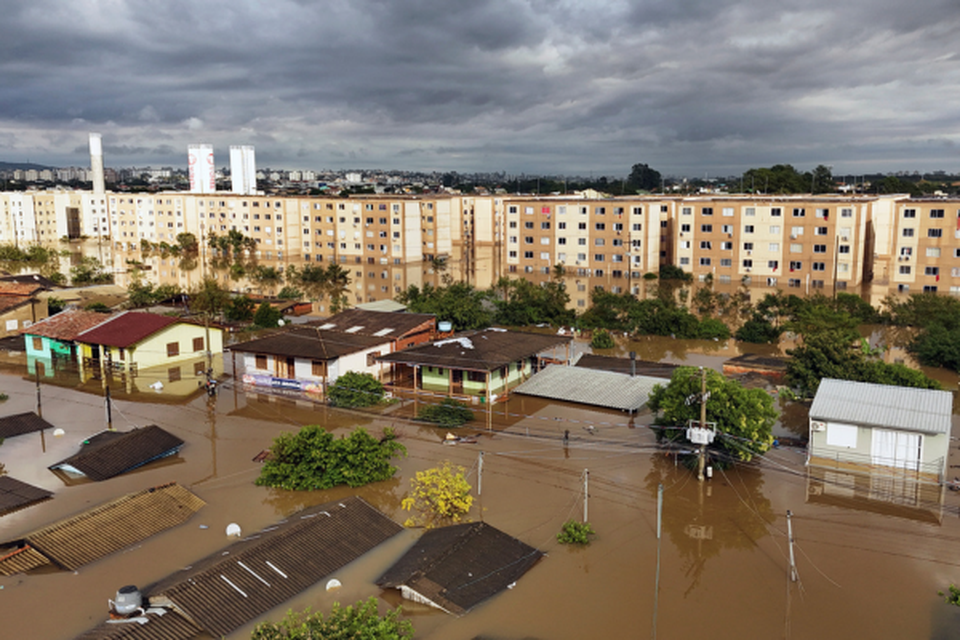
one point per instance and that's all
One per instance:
(795, 243)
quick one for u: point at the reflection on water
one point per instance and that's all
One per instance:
(888, 493)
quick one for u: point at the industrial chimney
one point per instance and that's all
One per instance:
(96, 163)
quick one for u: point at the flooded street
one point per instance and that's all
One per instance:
(869, 565)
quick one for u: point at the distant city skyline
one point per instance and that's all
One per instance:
(691, 88)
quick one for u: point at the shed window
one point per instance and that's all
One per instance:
(842, 435)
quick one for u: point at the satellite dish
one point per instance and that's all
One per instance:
(333, 584)
(58, 432)
(233, 529)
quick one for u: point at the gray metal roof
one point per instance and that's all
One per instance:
(880, 405)
(590, 386)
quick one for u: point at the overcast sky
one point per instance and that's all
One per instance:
(569, 86)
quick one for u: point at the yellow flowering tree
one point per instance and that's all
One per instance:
(438, 496)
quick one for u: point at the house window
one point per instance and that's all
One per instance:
(173, 350)
(318, 368)
(37, 343)
(173, 374)
(372, 358)
(198, 368)
(198, 344)
(261, 362)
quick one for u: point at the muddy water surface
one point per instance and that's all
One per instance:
(865, 570)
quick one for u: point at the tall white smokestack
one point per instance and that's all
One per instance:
(96, 163)
(243, 170)
(203, 176)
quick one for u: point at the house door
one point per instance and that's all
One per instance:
(896, 449)
(456, 381)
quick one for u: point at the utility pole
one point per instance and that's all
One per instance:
(586, 493)
(793, 564)
(703, 422)
(480, 475)
(656, 592)
(36, 370)
(109, 410)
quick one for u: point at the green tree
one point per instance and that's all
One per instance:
(267, 316)
(744, 417)
(573, 532)
(449, 413)
(458, 302)
(354, 389)
(438, 497)
(313, 459)
(290, 293)
(521, 303)
(240, 309)
(361, 620)
(601, 339)
(266, 278)
(209, 298)
(187, 242)
(89, 271)
(643, 178)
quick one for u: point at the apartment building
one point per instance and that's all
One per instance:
(924, 242)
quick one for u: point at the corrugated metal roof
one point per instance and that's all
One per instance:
(167, 626)
(376, 323)
(15, 494)
(88, 536)
(590, 386)
(21, 560)
(21, 423)
(232, 587)
(66, 325)
(880, 405)
(460, 566)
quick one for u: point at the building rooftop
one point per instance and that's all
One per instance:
(456, 568)
(110, 453)
(880, 405)
(480, 350)
(126, 329)
(311, 343)
(590, 386)
(66, 325)
(622, 365)
(8, 288)
(102, 530)
(21, 423)
(231, 587)
(380, 324)
(15, 495)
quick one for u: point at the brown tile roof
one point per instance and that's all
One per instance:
(9, 303)
(232, 587)
(362, 322)
(15, 494)
(309, 343)
(109, 527)
(481, 350)
(32, 278)
(21, 560)
(622, 365)
(66, 325)
(110, 453)
(460, 566)
(167, 626)
(126, 329)
(19, 288)
(21, 423)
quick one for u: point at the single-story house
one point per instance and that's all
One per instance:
(55, 337)
(110, 453)
(875, 427)
(484, 362)
(134, 340)
(308, 358)
(238, 584)
(20, 307)
(456, 568)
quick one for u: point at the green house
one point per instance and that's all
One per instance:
(54, 338)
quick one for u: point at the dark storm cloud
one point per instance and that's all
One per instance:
(516, 85)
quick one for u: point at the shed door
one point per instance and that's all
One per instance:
(896, 449)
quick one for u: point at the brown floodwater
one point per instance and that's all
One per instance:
(868, 567)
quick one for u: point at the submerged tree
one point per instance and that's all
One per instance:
(438, 497)
(361, 620)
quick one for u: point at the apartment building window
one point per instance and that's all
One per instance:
(776, 211)
(581, 257)
(927, 288)
(561, 241)
(637, 211)
(618, 226)
(561, 225)
(687, 211)
(905, 270)
(727, 228)
(819, 248)
(819, 266)
(584, 211)
(955, 272)
(933, 252)
(562, 210)
(545, 240)
(545, 255)
(684, 244)
(799, 213)
(796, 266)
(599, 242)
(726, 246)
(706, 228)
(617, 242)
(846, 213)
(600, 211)
(685, 228)
(774, 247)
(636, 227)
(793, 283)
(956, 253)
(598, 257)
(582, 242)
(528, 255)
(684, 261)
(706, 211)
(822, 213)
(773, 264)
(528, 240)
(844, 248)
(727, 212)
(582, 226)
(705, 245)
(748, 228)
(908, 233)
(931, 271)
(796, 232)
(820, 231)
(934, 233)
(704, 262)
(748, 246)
(600, 226)
(636, 244)
(512, 254)
(513, 224)
(936, 213)
(750, 211)
(545, 225)
(816, 284)
(528, 224)
(748, 263)
(775, 229)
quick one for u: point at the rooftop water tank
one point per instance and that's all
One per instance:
(445, 326)
(128, 600)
